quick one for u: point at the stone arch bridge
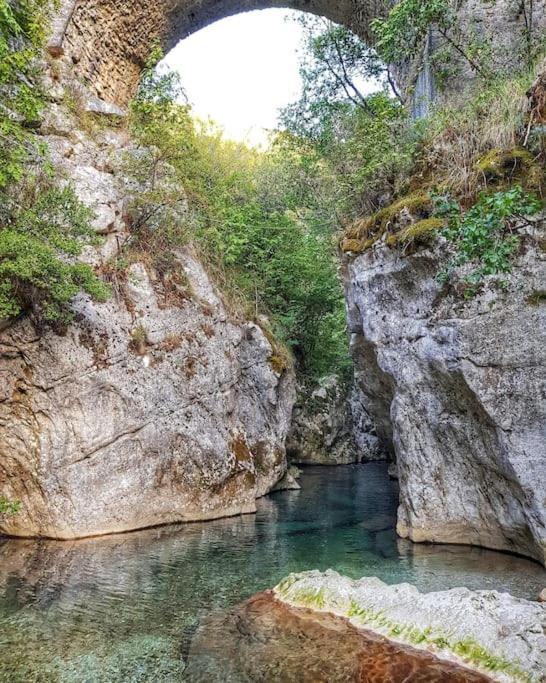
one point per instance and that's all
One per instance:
(109, 40)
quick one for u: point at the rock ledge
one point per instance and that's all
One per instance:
(491, 632)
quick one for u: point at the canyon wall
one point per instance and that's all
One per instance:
(160, 405)
(331, 426)
(458, 388)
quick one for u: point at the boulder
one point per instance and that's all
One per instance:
(494, 633)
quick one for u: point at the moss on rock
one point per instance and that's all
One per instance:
(366, 232)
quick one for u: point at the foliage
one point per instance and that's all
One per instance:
(261, 220)
(336, 67)
(8, 507)
(43, 226)
(364, 140)
(42, 230)
(482, 235)
(23, 26)
(402, 34)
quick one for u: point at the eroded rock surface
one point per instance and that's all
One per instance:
(102, 432)
(157, 406)
(495, 633)
(332, 427)
(458, 388)
(265, 639)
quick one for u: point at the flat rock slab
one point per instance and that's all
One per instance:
(495, 633)
(267, 640)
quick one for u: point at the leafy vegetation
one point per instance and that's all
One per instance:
(482, 235)
(8, 507)
(262, 220)
(43, 227)
(402, 34)
(335, 67)
(361, 137)
(22, 33)
(265, 221)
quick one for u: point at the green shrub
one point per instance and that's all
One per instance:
(23, 29)
(261, 220)
(42, 229)
(8, 507)
(43, 226)
(482, 235)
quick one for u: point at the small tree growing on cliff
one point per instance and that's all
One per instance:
(401, 35)
(336, 71)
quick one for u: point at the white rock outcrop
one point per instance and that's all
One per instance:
(491, 632)
(458, 387)
(139, 415)
(157, 406)
(330, 426)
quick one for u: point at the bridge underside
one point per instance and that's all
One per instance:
(109, 40)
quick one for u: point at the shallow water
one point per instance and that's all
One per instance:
(124, 608)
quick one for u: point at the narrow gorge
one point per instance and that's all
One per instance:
(159, 368)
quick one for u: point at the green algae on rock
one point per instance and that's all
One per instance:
(491, 632)
(265, 639)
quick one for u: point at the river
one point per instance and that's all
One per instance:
(123, 608)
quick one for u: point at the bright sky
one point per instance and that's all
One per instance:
(241, 70)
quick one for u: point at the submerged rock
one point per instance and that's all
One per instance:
(492, 632)
(265, 639)
(456, 387)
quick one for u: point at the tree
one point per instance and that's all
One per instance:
(402, 34)
(336, 69)
(261, 220)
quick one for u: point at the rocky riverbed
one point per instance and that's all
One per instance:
(325, 628)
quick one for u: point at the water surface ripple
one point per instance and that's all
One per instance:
(124, 608)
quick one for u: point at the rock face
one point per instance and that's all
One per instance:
(492, 632)
(108, 42)
(331, 427)
(157, 406)
(457, 387)
(104, 431)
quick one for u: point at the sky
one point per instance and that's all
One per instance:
(241, 70)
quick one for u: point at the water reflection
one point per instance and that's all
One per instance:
(124, 608)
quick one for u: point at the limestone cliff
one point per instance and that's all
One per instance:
(158, 406)
(330, 426)
(457, 387)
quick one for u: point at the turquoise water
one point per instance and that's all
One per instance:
(124, 608)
